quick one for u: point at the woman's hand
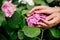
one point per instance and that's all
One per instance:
(53, 18)
(44, 9)
(50, 21)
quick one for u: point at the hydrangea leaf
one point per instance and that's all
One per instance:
(15, 20)
(20, 35)
(2, 18)
(40, 2)
(29, 7)
(1, 2)
(13, 37)
(9, 30)
(11, 33)
(31, 32)
(25, 12)
(49, 1)
(55, 32)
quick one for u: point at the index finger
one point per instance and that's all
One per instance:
(37, 8)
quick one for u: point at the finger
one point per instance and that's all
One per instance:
(45, 11)
(30, 14)
(51, 22)
(45, 21)
(39, 26)
(50, 17)
(38, 7)
(43, 24)
(54, 21)
(42, 11)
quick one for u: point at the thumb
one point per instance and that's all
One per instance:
(50, 17)
(43, 11)
(38, 7)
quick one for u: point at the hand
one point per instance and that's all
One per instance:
(51, 21)
(53, 18)
(44, 9)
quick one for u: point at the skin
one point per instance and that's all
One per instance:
(52, 20)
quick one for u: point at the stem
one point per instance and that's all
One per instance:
(42, 34)
(38, 38)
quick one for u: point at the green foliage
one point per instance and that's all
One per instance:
(31, 32)
(20, 35)
(11, 33)
(40, 2)
(14, 21)
(25, 12)
(16, 27)
(1, 2)
(49, 1)
(29, 7)
(55, 32)
(2, 18)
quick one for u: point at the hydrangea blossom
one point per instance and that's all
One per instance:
(33, 19)
(8, 8)
(30, 2)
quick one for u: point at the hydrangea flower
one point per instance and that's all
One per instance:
(30, 2)
(8, 8)
(33, 19)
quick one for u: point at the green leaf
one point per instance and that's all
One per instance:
(15, 20)
(21, 8)
(40, 2)
(9, 30)
(49, 1)
(25, 12)
(20, 35)
(55, 32)
(13, 37)
(31, 32)
(1, 2)
(49, 35)
(29, 7)
(23, 21)
(11, 33)
(2, 18)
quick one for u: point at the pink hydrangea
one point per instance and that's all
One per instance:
(8, 8)
(33, 19)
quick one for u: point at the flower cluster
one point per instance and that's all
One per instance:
(33, 19)
(8, 8)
